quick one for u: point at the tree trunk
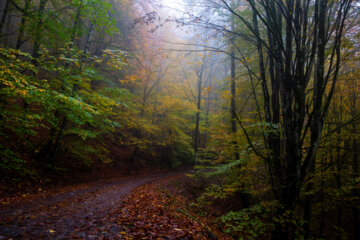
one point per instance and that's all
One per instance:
(356, 222)
(76, 24)
(322, 199)
(355, 162)
(233, 93)
(208, 104)
(4, 15)
(56, 145)
(38, 30)
(20, 39)
(339, 166)
(197, 120)
(144, 99)
(308, 199)
(308, 208)
(89, 38)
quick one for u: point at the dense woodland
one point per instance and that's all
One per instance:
(261, 97)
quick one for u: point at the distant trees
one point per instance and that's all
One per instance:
(72, 96)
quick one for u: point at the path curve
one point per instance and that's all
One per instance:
(58, 216)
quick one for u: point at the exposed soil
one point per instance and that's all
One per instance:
(72, 214)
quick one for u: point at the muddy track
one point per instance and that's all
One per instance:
(63, 215)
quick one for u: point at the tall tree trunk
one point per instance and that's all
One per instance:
(144, 99)
(275, 73)
(339, 167)
(208, 104)
(322, 197)
(153, 121)
(233, 92)
(76, 24)
(308, 198)
(89, 38)
(39, 29)
(355, 210)
(308, 207)
(198, 108)
(20, 39)
(4, 15)
(355, 158)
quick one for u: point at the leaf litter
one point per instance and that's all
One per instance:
(148, 211)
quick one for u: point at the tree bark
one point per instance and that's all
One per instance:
(20, 39)
(39, 29)
(233, 93)
(76, 24)
(355, 158)
(198, 108)
(4, 15)
(89, 38)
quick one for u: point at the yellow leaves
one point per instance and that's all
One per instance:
(22, 92)
(226, 94)
(133, 78)
(8, 83)
(98, 60)
(130, 80)
(7, 71)
(115, 58)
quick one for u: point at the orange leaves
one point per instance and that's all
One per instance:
(130, 80)
(148, 213)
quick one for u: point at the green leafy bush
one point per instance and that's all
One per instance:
(249, 223)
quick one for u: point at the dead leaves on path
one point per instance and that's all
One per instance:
(148, 213)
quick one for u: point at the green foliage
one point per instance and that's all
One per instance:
(181, 153)
(56, 95)
(99, 13)
(249, 223)
(9, 160)
(16, 90)
(29, 103)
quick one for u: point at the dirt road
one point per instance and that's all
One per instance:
(73, 213)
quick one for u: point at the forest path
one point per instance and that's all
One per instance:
(75, 211)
